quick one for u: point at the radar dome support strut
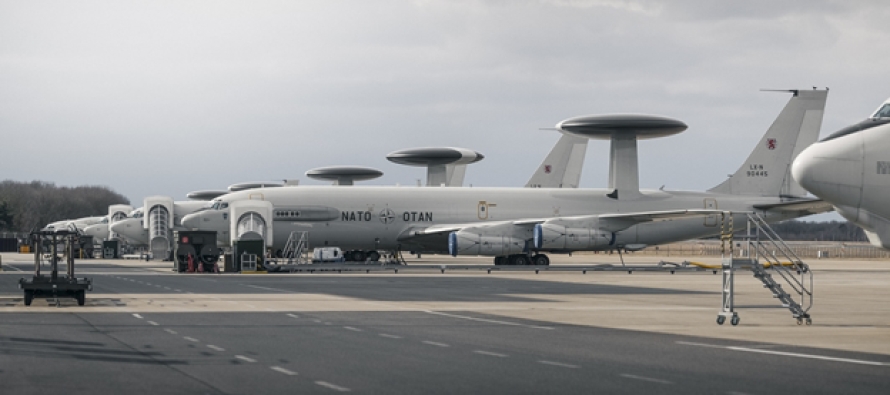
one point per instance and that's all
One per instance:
(623, 130)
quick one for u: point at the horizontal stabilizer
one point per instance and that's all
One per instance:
(811, 206)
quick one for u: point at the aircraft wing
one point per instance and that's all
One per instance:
(812, 206)
(521, 228)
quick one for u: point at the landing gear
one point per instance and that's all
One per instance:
(500, 260)
(519, 259)
(540, 260)
(373, 256)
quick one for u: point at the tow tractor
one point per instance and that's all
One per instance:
(55, 285)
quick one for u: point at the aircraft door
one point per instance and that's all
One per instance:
(483, 210)
(711, 204)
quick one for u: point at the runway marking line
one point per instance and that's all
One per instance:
(215, 348)
(283, 370)
(245, 359)
(560, 364)
(332, 386)
(437, 344)
(293, 316)
(387, 335)
(354, 329)
(191, 339)
(152, 323)
(178, 290)
(137, 316)
(491, 354)
(170, 331)
(463, 317)
(642, 378)
(266, 288)
(787, 354)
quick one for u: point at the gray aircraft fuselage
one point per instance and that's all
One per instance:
(383, 218)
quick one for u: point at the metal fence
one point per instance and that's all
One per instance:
(810, 249)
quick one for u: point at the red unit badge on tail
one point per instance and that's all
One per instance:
(771, 144)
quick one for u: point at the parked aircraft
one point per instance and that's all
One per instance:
(517, 225)
(851, 170)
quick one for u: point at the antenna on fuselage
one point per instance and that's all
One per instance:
(623, 130)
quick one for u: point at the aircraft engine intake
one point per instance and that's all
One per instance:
(465, 242)
(554, 236)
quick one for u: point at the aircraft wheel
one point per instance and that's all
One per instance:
(721, 319)
(809, 321)
(799, 320)
(734, 321)
(358, 256)
(81, 297)
(374, 256)
(541, 260)
(520, 259)
(29, 296)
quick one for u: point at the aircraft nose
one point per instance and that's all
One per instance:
(191, 221)
(804, 168)
(118, 226)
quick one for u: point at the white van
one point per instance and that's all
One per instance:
(327, 254)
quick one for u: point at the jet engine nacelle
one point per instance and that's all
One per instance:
(470, 243)
(555, 236)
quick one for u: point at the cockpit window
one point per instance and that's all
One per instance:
(883, 112)
(866, 124)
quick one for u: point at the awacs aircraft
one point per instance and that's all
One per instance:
(73, 224)
(851, 170)
(519, 225)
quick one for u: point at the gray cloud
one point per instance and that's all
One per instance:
(167, 97)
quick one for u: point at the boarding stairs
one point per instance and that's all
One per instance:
(296, 250)
(773, 262)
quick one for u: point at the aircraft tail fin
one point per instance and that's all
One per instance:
(767, 171)
(561, 168)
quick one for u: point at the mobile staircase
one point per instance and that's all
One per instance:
(296, 250)
(773, 263)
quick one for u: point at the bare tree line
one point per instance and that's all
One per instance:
(31, 205)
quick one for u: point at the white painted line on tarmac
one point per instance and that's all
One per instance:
(189, 338)
(437, 344)
(491, 354)
(170, 331)
(789, 354)
(354, 329)
(137, 316)
(293, 316)
(178, 290)
(809, 356)
(245, 359)
(215, 348)
(152, 323)
(332, 386)
(387, 335)
(316, 321)
(266, 288)
(17, 269)
(463, 317)
(649, 379)
(283, 370)
(560, 364)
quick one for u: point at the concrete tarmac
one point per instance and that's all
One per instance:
(145, 329)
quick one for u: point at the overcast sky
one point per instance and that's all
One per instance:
(163, 98)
